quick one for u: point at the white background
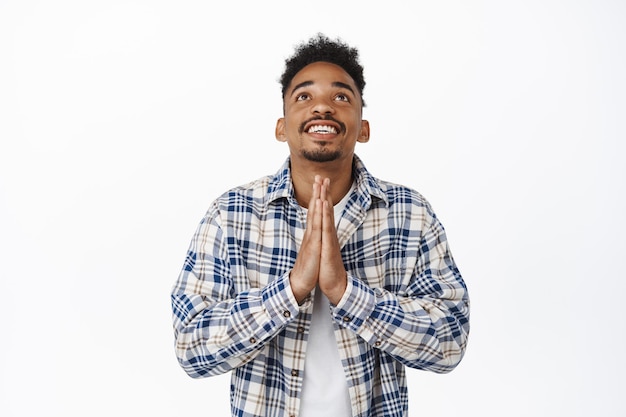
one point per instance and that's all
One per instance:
(120, 121)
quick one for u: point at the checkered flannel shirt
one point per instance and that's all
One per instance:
(233, 309)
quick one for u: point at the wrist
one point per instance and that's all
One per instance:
(300, 293)
(336, 292)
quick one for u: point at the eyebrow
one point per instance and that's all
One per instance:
(334, 84)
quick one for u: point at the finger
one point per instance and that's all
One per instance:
(315, 195)
(317, 186)
(328, 221)
(326, 197)
(318, 218)
(323, 189)
(329, 197)
(316, 191)
(312, 240)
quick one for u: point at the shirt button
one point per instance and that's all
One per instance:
(252, 340)
(377, 343)
(347, 319)
(300, 329)
(294, 372)
(286, 313)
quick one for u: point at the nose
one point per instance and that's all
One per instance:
(322, 106)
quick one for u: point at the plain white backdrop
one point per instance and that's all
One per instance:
(120, 121)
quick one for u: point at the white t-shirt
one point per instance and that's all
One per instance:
(324, 389)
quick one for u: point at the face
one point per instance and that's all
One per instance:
(323, 110)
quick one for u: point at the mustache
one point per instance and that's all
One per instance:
(342, 126)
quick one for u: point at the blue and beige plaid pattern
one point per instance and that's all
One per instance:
(405, 305)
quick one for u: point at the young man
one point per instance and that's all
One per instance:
(316, 286)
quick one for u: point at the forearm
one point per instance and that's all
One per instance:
(420, 331)
(213, 337)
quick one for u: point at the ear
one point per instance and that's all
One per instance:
(280, 130)
(364, 136)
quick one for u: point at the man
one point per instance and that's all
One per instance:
(317, 286)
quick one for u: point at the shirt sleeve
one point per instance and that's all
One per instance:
(424, 326)
(217, 325)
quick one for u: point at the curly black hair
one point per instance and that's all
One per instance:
(321, 48)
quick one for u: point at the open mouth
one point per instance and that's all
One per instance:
(322, 129)
(323, 126)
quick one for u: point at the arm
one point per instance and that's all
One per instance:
(426, 325)
(217, 327)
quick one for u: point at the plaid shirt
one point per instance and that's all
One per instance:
(405, 303)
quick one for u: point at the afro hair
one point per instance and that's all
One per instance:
(321, 48)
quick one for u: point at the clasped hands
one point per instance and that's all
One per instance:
(319, 260)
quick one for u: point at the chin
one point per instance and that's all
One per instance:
(321, 156)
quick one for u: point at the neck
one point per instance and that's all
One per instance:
(303, 175)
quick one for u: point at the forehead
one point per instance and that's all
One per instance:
(323, 73)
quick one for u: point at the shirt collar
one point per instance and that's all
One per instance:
(367, 187)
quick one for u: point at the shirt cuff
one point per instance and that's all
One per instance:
(279, 301)
(356, 305)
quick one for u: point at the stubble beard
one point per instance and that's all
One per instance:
(321, 155)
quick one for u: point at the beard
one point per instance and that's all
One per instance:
(321, 155)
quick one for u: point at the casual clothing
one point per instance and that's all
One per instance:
(405, 301)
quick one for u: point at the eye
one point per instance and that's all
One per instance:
(342, 97)
(302, 97)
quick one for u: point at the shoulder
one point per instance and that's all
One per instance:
(237, 205)
(408, 210)
(257, 194)
(245, 196)
(401, 196)
(405, 205)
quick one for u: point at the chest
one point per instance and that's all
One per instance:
(379, 247)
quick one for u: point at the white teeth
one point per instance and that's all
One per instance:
(322, 129)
